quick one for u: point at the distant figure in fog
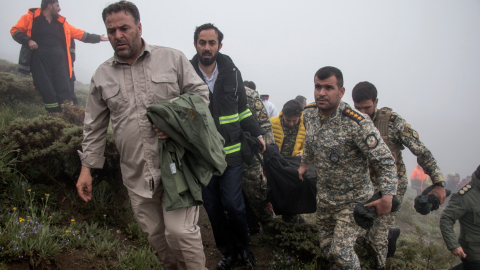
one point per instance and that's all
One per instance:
(417, 179)
(302, 100)
(271, 109)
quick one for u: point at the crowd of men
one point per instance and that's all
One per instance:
(356, 150)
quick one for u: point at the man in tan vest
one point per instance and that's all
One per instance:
(396, 133)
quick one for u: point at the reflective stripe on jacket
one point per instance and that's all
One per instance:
(228, 106)
(22, 31)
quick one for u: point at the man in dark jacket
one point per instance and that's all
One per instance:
(463, 206)
(228, 105)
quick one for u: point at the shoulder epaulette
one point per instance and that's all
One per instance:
(311, 105)
(465, 189)
(353, 115)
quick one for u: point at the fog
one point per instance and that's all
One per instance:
(423, 56)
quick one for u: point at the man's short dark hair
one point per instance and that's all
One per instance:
(327, 72)
(207, 26)
(45, 3)
(126, 6)
(364, 91)
(300, 99)
(292, 108)
(250, 85)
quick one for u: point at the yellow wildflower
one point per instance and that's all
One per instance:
(29, 190)
(47, 195)
(50, 217)
(72, 220)
(14, 208)
(21, 219)
(67, 231)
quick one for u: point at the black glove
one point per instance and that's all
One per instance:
(366, 215)
(426, 203)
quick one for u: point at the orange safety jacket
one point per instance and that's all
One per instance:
(419, 174)
(22, 31)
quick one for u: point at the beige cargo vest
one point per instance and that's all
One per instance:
(382, 120)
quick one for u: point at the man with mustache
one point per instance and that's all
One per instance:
(397, 134)
(341, 142)
(232, 117)
(45, 37)
(137, 76)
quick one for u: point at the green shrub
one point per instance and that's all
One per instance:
(14, 88)
(301, 239)
(48, 151)
(72, 114)
(6, 66)
(11, 111)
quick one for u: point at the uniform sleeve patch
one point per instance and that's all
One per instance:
(371, 141)
(334, 157)
(415, 134)
(353, 115)
(393, 118)
(263, 116)
(407, 132)
(258, 105)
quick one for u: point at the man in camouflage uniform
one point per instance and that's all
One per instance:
(396, 133)
(254, 182)
(341, 142)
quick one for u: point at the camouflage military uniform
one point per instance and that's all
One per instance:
(289, 139)
(396, 133)
(341, 150)
(254, 182)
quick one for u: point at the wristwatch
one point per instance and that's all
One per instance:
(440, 184)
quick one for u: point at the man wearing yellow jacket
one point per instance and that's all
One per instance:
(289, 130)
(289, 134)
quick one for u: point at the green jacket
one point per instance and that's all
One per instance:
(464, 206)
(192, 154)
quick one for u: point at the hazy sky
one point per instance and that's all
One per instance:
(423, 56)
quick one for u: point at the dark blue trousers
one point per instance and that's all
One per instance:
(223, 201)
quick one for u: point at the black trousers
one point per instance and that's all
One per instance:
(223, 201)
(467, 265)
(51, 76)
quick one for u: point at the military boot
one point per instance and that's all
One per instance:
(393, 234)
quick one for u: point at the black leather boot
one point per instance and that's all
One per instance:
(393, 234)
